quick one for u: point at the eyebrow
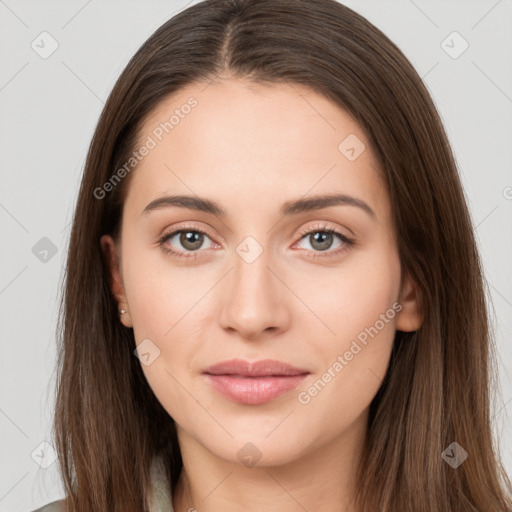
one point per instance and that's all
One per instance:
(288, 208)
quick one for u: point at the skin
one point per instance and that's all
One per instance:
(250, 148)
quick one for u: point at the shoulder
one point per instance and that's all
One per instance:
(54, 506)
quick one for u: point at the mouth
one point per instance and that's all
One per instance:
(254, 383)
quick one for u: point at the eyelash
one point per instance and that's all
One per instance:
(348, 243)
(321, 228)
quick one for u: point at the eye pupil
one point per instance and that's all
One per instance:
(321, 237)
(193, 238)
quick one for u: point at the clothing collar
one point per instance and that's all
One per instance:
(161, 500)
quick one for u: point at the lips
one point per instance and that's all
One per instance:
(254, 383)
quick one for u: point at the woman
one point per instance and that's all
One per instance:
(274, 298)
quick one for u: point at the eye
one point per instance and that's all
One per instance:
(322, 237)
(190, 238)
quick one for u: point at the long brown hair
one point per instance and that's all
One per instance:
(109, 424)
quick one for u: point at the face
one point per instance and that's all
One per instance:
(257, 264)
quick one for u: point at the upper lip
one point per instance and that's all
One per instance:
(263, 368)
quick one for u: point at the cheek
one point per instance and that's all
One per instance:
(161, 297)
(360, 308)
(166, 308)
(342, 389)
(353, 297)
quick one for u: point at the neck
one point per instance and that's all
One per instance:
(321, 479)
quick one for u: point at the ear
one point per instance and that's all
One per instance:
(110, 251)
(410, 317)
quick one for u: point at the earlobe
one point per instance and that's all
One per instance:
(116, 286)
(410, 317)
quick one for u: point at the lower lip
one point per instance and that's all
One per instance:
(254, 390)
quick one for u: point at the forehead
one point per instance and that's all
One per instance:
(261, 142)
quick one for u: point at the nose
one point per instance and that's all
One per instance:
(255, 302)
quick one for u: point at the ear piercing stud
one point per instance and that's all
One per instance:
(122, 311)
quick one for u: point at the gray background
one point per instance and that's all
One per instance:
(49, 108)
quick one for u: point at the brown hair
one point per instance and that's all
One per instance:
(109, 424)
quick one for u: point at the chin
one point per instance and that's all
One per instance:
(257, 450)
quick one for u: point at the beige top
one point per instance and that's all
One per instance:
(161, 497)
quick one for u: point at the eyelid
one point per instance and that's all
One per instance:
(176, 229)
(325, 226)
(348, 242)
(187, 226)
(321, 226)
